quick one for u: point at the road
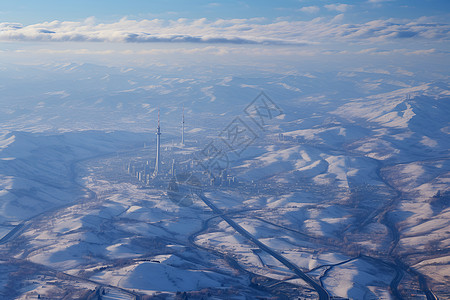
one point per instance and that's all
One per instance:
(13, 233)
(323, 294)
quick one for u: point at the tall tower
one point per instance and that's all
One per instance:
(173, 168)
(158, 146)
(182, 129)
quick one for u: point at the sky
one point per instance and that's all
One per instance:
(253, 32)
(29, 11)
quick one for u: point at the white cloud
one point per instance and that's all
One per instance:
(61, 94)
(231, 31)
(338, 7)
(310, 9)
(404, 72)
(378, 3)
(369, 50)
(376, 51)
(422, 52)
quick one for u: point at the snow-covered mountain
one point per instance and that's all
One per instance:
(349, 182)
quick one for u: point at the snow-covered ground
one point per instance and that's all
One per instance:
(359, 279)
(349, 176)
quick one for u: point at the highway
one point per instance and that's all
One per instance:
(13, 233)
(323, 294)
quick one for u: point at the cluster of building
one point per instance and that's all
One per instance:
(222, 180)
(146, 173)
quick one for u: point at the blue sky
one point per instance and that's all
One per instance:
(143, 31)
(31, 11)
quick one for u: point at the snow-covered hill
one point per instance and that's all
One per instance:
(349, 180)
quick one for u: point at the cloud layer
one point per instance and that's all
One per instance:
(233, 31)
